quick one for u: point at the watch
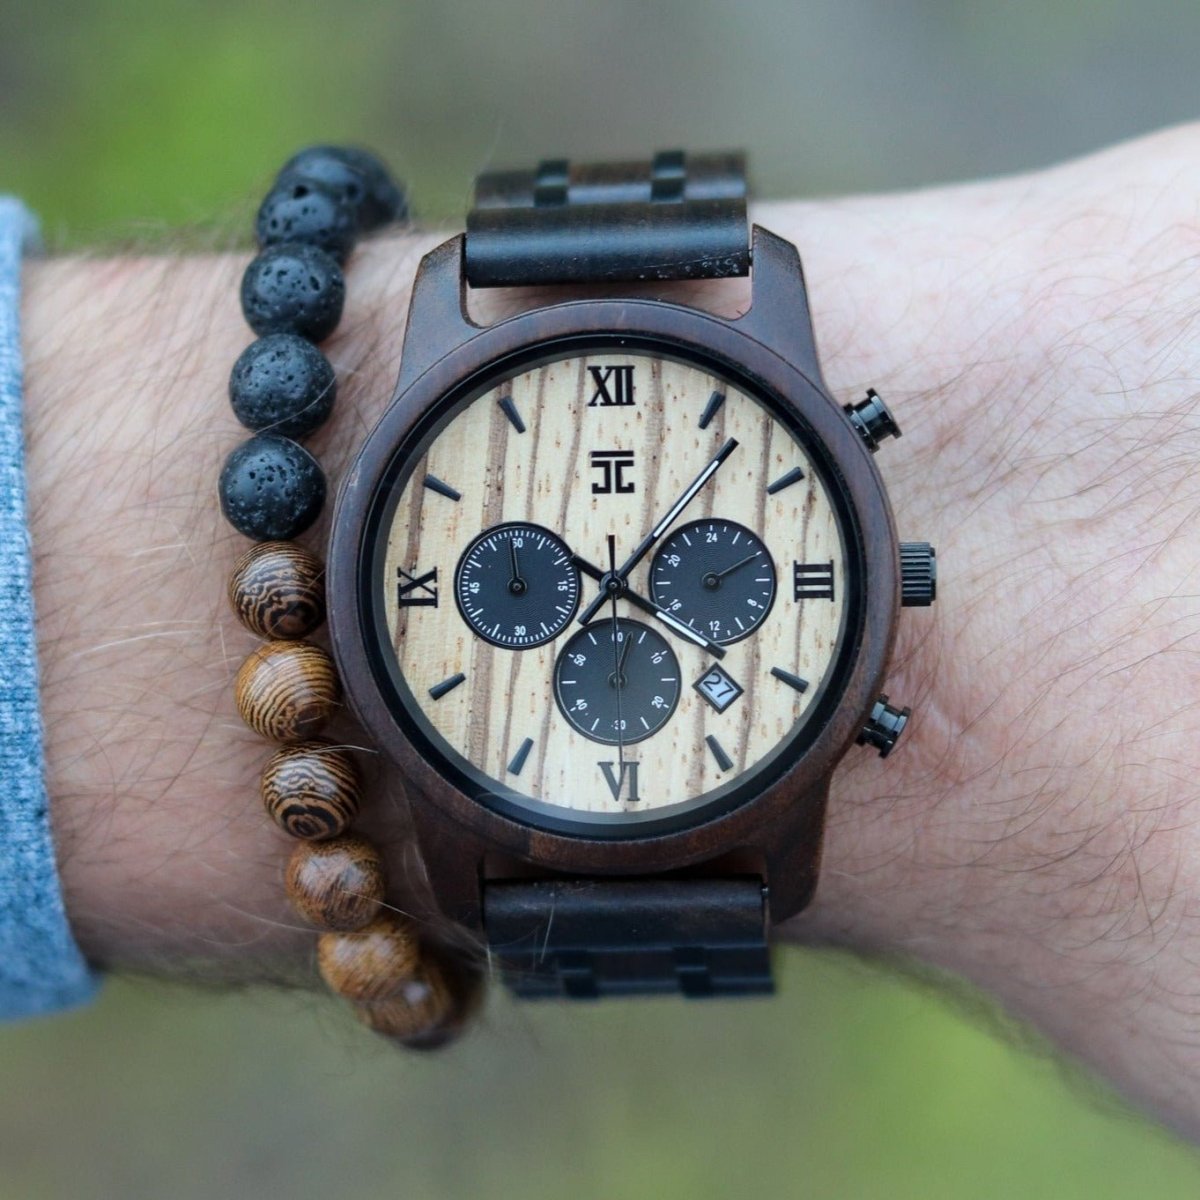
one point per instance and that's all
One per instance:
(614, 582)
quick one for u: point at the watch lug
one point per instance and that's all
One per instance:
(792, 854)
(437, 311)
(779, 314)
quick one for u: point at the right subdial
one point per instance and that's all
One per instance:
(715, 576)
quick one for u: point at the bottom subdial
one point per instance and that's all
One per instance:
(617, 686)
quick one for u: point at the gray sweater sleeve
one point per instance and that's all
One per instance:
(41, 967)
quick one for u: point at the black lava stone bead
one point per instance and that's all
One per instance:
(293, 289)
(271, 488)
(301, 210)
(356, 175)
(283, 384)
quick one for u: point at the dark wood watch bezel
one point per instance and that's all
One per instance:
(777, 832)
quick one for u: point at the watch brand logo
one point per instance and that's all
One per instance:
(416, 591)
(617, 781)
(612, 465)
(614, 386)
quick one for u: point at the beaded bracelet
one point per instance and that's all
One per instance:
(271, 490)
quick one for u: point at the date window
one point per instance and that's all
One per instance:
(718, 687)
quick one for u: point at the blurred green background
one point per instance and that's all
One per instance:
(129, 120)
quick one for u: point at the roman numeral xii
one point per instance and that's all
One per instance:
(614, 386)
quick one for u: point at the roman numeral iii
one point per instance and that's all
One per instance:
(416, 591)
(613, 386)
(813, 581)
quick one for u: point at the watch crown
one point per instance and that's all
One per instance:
(884, 726)
(918, 574)
(873, 419)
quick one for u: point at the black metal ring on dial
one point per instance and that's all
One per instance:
(715, 576)
(516, 586)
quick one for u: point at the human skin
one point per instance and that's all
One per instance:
(1034, 833)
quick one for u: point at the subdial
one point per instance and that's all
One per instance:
(516, 585)
(617, 694)
(716, 577)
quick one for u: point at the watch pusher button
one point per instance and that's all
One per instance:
(873, 419)
(884, 727)
(918, 574)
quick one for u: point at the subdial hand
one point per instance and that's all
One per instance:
(516, 585)
(713, 578)
(673, 623)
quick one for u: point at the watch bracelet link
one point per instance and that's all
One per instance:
(675, 217)
(591, 938)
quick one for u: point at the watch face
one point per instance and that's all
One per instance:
(611, 589)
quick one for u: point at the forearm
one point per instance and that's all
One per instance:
(1034, 830)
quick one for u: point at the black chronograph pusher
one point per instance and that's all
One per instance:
(716, 577)
(516, 585)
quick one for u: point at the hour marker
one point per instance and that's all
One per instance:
(447, 685)
(718, 751)
(710, 409)
(434, 484)
(518, 759)
(793, 681)
(786, 480)
(416, 591)
(813, 581)
(622, 780)
(614, 386)
(510, 411)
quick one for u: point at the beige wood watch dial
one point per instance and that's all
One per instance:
(585, 447)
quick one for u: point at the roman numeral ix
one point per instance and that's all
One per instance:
(416, 591)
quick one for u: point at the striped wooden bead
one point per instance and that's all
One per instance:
(338, 884)
(373, 963)
(287, 691)
(312, 790)
(277, 590)
(424, 1013)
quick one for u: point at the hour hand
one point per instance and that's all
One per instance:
(638, 601)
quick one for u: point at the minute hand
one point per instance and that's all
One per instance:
(644, 545)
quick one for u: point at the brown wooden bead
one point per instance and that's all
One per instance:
(338, 884)
(373, 963)
(277, 590)
(312, 790)
(287, 690)
(424, 1009)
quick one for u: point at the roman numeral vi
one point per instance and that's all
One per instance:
(616, 782)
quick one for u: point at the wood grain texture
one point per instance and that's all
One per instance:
(371, 964)
(312, 790)
(337, 884)
(277, 590)
(545, 475)
(286, 691)
(424, 1012)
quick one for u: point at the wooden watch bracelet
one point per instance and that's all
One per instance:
(271, 490)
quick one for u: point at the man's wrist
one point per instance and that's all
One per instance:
(1032, 831)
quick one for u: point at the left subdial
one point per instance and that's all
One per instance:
(516, 586)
